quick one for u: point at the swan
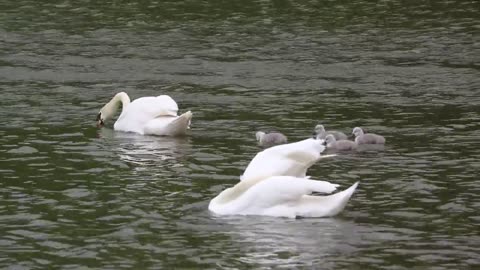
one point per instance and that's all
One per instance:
(340, 145)
(270, 139)
(145, 115)
(367, 138)
(281, 196)
(320, 132)
(275, 184)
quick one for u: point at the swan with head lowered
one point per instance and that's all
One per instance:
(275, 184)
(145, 115)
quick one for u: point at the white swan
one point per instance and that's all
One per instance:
(146, 115)
(275, 184)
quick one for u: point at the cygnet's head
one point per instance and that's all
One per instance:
(357, 131)
(259, 135)
(330, 139)
(319, 129)
(318, 132)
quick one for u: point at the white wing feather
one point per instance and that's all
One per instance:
(291, 159)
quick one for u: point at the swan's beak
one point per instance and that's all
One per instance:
(99, 120)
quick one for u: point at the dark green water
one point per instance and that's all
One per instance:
(75, 197)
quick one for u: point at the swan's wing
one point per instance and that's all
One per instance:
(324, 206)
(291, 159)
(154, 106)
(279, 195)
(136, 115)
(169, 125)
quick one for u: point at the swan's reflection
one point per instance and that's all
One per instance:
(294, 242)
(146, 150)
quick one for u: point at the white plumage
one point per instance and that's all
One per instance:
(146, 115)
(275, 184)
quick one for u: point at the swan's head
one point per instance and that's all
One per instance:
(108, 110)
(105, 114)
(259, 135)
(329, 140)
(357, 131)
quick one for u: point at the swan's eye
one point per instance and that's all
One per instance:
(99, 117)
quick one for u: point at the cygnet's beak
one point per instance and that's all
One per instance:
(314, 135)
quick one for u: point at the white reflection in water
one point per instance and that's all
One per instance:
(145, 150)
(274, 241)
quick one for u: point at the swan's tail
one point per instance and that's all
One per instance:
(325, 206)
(180, 125)
(169, 125)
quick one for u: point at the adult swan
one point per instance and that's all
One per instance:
(146, 115)
(275, 184)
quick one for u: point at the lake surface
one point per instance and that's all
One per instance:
(77, 197)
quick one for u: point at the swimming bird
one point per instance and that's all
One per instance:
(275, 184)
(320, 132)
(145, 115)
(270, 139)
(340, 145)
(367, 138)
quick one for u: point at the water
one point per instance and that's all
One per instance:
(76, 197)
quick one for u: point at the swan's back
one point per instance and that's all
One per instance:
(136, 115)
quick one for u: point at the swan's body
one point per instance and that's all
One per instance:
(340, 145)
(270, 139)
(146, 115)
(321, 133)
(282, 196)
(275, 184)
(367, 138)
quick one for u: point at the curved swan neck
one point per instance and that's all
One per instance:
(108, 111)
(121, 97)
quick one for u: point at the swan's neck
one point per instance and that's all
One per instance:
(121, 98)
(110, 109)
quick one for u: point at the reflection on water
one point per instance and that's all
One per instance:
(146, 151)
(74, 196)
